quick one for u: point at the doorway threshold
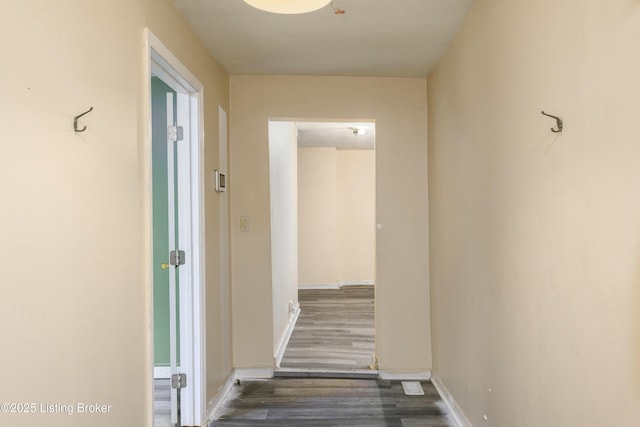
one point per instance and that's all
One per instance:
(363, 374)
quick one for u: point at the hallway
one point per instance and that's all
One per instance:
(335, 331)
(507, 251)
(332, 403)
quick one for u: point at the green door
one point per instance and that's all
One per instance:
(160, 108)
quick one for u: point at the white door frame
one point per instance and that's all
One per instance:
(280, 349)
(162, 63)
(224, 241)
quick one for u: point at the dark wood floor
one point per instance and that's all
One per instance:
(331, 402)
(335, 330)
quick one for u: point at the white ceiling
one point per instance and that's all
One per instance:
(385, 38)
(336, 134)
(394, 38)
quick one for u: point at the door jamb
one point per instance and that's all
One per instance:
(192, 345)
(279, 352)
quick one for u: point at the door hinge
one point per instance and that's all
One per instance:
(176, 258)
(178, 381)
(175, 133)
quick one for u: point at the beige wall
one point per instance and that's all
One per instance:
(356, 211)
(75, 219)
(398, 107)
(336, 210)
(283, 179)
(535, 236)
(317, 219)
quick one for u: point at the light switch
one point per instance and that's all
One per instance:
(245, 223)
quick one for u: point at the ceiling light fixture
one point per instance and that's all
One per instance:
(359, 131)
(288, 6)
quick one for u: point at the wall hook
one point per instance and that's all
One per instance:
(75, 121)
(558, 121)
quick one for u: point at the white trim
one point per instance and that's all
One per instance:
(337, 285)
(454, 409)
(287, 335)
(326, 372)
(161, 372)
(342, 283)
(409, 376)
(225, 392)
(177, 72)
(163, 63)
(199, 270)
(171, 210)
(319, 286)
(223, 395)
(225, 313)
(253, 373)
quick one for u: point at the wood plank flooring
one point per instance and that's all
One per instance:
(331, 402)
(335, 330)
(161, 403)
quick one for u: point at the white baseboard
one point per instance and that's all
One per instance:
(408, 376)
(342, 283)
(287, 335)
(319, 286)
(226, 391)
(337, 285)
(223, 395)
(456, 412)
(253, 373)
(162, 372)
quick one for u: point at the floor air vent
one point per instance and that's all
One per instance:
(412, 388)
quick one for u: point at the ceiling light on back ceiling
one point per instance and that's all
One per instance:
(288, 6)
(359, 131)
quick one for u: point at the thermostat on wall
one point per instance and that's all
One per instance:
(221, 181)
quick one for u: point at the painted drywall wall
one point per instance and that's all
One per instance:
(336, 215)
(75, 220)
(398, 107)
(535, 235)
(317, 219)
(356, 215)
(283, 179)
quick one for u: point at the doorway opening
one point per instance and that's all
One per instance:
(176, 268)
(332, 318)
